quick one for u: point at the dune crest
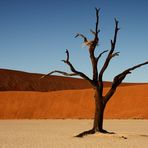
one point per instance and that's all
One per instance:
(12, 80)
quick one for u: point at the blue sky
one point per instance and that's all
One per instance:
(35, 33)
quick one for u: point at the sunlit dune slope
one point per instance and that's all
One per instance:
(128, 102)
(11, 80)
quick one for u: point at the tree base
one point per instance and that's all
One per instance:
(93, 131)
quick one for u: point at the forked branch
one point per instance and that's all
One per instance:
(75, 72)
(119, 78)
(111, 54)
(82, 36)
(86, 41)
(92, 43)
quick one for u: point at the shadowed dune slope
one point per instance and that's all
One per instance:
(11, 80)
(128, 102)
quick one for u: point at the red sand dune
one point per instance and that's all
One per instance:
(24, 96)
(11, 80)
(128, 102)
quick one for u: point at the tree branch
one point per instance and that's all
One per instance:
(86, 41)
(101, 54)
(119, 78)
(92, 47)
(81, 35)
(67, 55)
(110, 55)
(93, 32)
(114, 54)
(97, 23)
(97, 30)
(75, 71)
(60, 72)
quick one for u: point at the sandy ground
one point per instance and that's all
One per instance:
(60, 134)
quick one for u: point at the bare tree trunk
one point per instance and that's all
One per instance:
(99, 112)
(98, 116)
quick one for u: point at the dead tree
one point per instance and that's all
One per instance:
(97, 78)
